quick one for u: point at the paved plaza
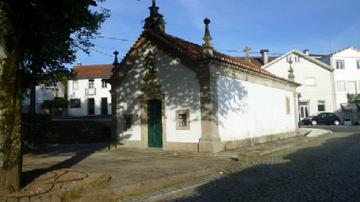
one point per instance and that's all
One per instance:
(327, 169)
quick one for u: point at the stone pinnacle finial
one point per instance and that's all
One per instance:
(155, 21)
(291, 75)
(207, 47)
(116, 61)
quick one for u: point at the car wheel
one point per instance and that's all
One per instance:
(314, 123)
(336, 122)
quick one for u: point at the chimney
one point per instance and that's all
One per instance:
(264, 56)
(78, 63)
(306, 52)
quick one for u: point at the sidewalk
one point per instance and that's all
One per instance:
(132, 171)
(116, 174)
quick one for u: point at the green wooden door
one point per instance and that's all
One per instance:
(154, 124)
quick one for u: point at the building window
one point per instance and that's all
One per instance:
(341, 86)
(304, 109)
(91, 83)
(128, 122)
(321, 106)
(340, 64)
(352, 87)
(103, 83)
(310, 81)
(288, 110)
(294, 59)
(358, 64)
(51, 86)
(75, 85)
(183, 119)
(75, 103)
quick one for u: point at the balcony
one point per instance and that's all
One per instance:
(90, 91)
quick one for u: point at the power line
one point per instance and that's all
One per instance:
(114, 38)
(101, 52)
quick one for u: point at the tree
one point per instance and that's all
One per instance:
(353, 98)
(37, 38)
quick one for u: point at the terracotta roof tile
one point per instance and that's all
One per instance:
(257, 60)
(195, 51)
(93, 71)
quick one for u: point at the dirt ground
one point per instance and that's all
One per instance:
(63, 167)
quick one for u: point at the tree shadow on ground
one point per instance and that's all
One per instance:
(330, 172)
(79, 152)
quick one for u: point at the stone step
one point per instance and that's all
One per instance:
(255, 152)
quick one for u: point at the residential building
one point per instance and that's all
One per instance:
(176, 95)
(346, 63)
(89, 90)
(45, 91)
(317, 91)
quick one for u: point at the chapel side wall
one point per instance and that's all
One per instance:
(248, 110)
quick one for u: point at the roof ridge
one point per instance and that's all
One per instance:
(91, 65)
(194, 51)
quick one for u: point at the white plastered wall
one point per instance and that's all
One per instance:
(323, 90)
(249, 110)
(349, 74)
(181, 89)
(80, 93)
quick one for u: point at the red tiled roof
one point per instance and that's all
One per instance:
(92, 71)
(194, 51)
(257, 60)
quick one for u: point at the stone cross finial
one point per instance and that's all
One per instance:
(247, 50)
(291, 75)
(155, 21)
(207, 47)
(116, 61)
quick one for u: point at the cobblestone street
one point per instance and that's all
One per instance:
(325, 170)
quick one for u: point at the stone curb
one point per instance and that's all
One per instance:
(251, 156)
(315, 132)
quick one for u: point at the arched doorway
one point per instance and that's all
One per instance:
(155, 138)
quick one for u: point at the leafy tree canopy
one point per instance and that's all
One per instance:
(52, 33)
(353, 98)
(37, 37)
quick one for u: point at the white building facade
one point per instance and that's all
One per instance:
(346, 63)
(89, 91)
(43, 92)
(317, 91)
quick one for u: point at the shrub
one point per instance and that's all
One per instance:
(58, 102)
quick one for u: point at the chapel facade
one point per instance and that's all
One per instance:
(172, 94)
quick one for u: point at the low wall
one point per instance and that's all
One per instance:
(40, 129)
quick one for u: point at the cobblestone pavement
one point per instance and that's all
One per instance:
(327, 169)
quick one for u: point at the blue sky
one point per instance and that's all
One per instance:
(278, 25)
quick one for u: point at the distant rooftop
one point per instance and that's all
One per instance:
(92, 71)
